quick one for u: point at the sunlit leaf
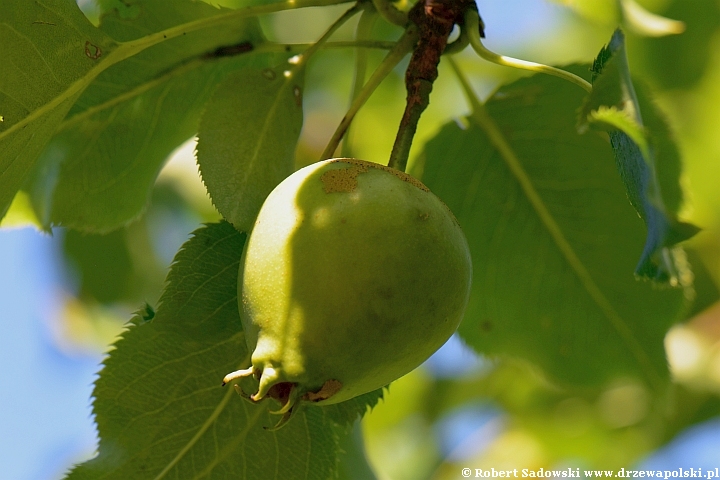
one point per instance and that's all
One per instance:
(97, 172)
(247, 139)
(159, 406)
(49, 53)
(21, 213)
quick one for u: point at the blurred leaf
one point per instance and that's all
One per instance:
(604, 429)
(557, 426)
(679, 61)
(601, 11)
(103, 264)
(129, 265)
(49, 54)
(97, 172)
(630, 13)
(20, 213)
(689, 407)
(647, 158)
(647, 23)
(553, 240)
(159, 406)
(704, 286)
(247, 139)
(353, 464)
(86, 326)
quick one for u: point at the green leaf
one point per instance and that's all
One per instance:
(606, 12)
(247, 139)
(97, 172)
(159, 406)
(679, 61)
(644, 22)
(353, 461)
(49, 53)
(552, 237)
(647, 158)
(103, 264)
(20, 213)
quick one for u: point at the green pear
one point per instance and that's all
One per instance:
(353, 275)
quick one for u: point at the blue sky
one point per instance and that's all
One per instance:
(45, 417)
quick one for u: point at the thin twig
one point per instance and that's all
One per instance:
(364, 27)
(435, 20)
(390, 13)
(402, 48)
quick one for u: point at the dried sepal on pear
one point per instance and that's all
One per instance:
(353, 275)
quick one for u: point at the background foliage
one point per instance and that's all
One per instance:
(571, 364)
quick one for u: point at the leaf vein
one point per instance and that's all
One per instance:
(497, 138)
(173, 361)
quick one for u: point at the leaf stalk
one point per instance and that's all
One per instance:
(472, 24)
(364, 27)
(299, 60)
(390, 13)
(403, 46)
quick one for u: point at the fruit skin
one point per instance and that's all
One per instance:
(353, 275)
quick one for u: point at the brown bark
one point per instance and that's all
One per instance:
(435, 20)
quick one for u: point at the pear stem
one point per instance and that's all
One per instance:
(435, 20)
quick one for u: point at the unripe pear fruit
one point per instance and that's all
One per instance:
(353, 275)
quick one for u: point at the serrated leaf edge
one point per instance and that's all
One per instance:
(287, 74)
